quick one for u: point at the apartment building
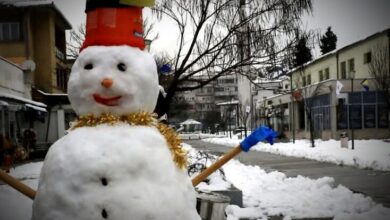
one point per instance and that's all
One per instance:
(18, 112)
(339, 91)
(32, 36)
(205, 100)
(36, 32)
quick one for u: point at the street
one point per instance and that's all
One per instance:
(368, 182)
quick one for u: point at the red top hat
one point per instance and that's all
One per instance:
(111, 23)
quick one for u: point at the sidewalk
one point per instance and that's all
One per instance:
(368, 182)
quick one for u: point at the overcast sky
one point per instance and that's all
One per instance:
(351, 20)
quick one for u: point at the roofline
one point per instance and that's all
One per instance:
(68, 26)
(386, 31)
(336, 52)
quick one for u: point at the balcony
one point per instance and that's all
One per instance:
(59, 54)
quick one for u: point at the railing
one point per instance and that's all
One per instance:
(59, 54)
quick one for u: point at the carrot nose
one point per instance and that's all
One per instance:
(107, 82)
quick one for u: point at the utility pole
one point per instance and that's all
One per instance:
(293, 111)
(243, 83)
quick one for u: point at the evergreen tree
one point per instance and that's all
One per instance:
(328, 41)
(302, 52)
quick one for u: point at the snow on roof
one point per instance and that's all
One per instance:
(36, 107)
(190, 122)
(233, 102)
(36, 3)
(9, 96)
(51, 94)
(334, 52)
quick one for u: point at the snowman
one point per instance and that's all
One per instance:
(117, 162)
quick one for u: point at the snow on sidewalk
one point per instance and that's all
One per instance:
(372, 154)
(13, 204)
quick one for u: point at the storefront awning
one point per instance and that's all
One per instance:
(3, 103)
(38, 106)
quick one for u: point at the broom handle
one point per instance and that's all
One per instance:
(18, 185)
(215, 166)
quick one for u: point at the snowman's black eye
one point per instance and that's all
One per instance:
(121, 67)
(88, 66)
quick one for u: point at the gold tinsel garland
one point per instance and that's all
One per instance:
(143, 119)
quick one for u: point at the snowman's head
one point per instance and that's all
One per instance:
(113, 79)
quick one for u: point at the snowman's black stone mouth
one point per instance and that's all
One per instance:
(104, 213)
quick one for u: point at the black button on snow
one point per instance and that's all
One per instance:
(104, 213)
(104, 181)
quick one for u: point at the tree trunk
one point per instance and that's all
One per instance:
(164, 103)
(311, 129)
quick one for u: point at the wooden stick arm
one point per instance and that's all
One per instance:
(215, 166)
(18, 185)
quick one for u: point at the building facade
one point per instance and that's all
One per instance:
(204, 102)
(32, 36)
(19, 114)
(336, 93)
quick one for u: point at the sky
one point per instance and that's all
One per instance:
(351, 20)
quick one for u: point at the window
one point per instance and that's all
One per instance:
(321, 75)
(9, 31)
(356, 116)
(351, 65)
(320, 106)
(62, 79)
(229, 80)
(303, 81)
(383, 116)
(308, 79)
(369, 116)
(367, 58)
(369, 97)
(327, 74)
(355, 98)
(342, 115)
(343, 70)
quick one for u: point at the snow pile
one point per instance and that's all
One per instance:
(271, 194)
(372, 154)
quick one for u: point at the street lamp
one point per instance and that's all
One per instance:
(351, 77)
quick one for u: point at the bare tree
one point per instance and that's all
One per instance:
(379, 69)
(304, 92)
(211, 32)
(243, 116)
(76, 39)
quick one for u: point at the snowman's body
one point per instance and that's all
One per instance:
(115, 171)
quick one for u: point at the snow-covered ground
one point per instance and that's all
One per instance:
(372, 154)
(272, 194)
(265, 194)
(14, 205)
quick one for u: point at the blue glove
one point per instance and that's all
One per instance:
(261, 133)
